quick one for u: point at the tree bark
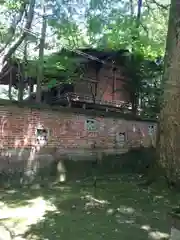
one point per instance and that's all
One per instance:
(20, 83)
(170, 115)
(41, 57)
(138, 18)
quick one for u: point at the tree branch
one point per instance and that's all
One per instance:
(145, 28)
(165, 7)
(25, 33)
(16, 21)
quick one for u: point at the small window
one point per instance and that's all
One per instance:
(91, 125)
(42, 132)
(151, 129)
(42, 136)
(121, 139)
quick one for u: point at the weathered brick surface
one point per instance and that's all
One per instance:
(108, 87)
(67, 133)
(66, 130)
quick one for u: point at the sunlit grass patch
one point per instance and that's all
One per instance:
(19, 219)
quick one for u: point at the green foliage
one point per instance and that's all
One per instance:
(143, 84)
(14, 5)
(68, 33)
(113, 26)
(58, 67)
(3, 32)
(105, 24)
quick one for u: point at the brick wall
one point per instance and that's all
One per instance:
(66, 129)
(69, 132)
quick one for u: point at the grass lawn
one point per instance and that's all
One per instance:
(120, 209)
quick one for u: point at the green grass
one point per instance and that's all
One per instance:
(65, 212)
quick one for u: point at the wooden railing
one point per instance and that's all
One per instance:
(73, 97)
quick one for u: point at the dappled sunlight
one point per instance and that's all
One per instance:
(19, 219)
(32, 165)
(146, 227)
(61, 210)
(35, 209)
(62, 188)
(158, 197)
(21, 156)
(123, 220)
(61, 172)
(91, 198)
(126, 210)
(26, 137)
(92, 202)
(3, 122)
(156, 235)
(110, 211)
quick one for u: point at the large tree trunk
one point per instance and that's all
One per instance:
(170, 113)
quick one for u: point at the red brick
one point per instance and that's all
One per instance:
(67, 130)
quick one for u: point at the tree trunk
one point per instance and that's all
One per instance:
(10, 85)
(134, 103)
(31, 86)
(170, 116)
(30, 14)
(20, 83)
(41, 57)
(138, 19)
(131, 7)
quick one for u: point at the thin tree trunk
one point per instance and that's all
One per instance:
(20, 83)
(131, 8)
(92, 89)
(170, 116)
(134, 103)
(41, 56)
(138, 19)
(25, 69)
(96, 85)
(10, 85)
(135, 37)
(113, 83)
(31, 86)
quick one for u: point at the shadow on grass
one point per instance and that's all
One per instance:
(120, 209)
